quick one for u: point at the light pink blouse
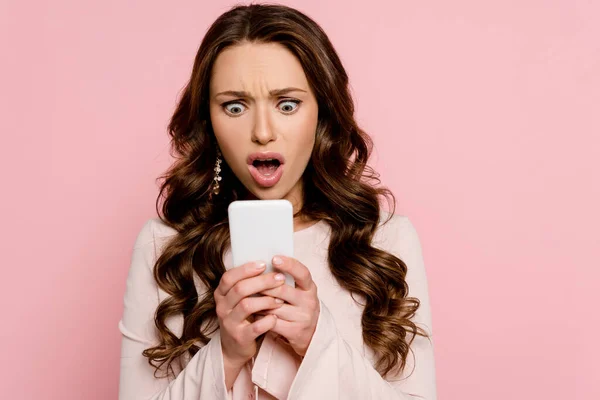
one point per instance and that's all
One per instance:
(337, 364)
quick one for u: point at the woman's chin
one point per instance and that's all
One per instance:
(256, 192)
(280, 190)
(259, 193)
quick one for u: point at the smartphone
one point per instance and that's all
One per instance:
(260, 230)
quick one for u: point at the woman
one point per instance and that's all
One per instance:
(267, 114)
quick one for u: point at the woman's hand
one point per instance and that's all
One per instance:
(234, 308)
(297, 318)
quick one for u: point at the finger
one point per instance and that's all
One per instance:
(286, 293)
(284, 328)
(260, 326)
(250, 286)
(296, 269)
(234, 275)
(288, 313)
(250, 305)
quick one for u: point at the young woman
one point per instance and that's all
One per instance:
(267, 114)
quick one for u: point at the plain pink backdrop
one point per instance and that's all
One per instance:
(486, 120)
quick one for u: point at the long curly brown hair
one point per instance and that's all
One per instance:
(339, 188)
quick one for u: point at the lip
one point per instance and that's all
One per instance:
(265, 155)
(263, 180)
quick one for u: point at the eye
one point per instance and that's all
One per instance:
(235, 108)
(289, 106)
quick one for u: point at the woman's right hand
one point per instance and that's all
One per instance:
(235, 306)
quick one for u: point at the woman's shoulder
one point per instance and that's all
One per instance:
(394, 226)
(397, 234)
(154, 231)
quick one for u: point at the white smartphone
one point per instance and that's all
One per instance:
(260, 230)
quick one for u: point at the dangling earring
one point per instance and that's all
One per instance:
(217, 178)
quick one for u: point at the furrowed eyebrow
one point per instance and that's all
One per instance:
(272, 93)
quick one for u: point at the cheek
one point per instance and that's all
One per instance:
(305, 132)
(220, 127)
(227, 133)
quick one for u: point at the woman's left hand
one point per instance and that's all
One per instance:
(297, 318)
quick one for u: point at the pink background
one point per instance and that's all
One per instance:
(486, 119)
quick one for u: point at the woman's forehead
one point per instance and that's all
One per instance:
(257, 67)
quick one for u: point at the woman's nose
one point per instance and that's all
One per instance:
(262, 131)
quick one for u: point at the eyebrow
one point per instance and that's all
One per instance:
(272, 93)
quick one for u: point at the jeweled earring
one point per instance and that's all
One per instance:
(217, 178)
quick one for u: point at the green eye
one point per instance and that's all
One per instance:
(289, 106)
(234, 108)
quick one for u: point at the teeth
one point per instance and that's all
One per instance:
(266, 160)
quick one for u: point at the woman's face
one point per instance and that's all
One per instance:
(264, 116)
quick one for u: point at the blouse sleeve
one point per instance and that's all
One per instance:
(334, 369)
(202, 378)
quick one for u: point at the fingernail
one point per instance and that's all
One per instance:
(277, 261)
(279, 277)
(261, 265)
(278, 301)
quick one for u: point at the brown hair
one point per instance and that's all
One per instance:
(339, 188)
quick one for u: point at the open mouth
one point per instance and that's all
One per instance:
(266, 167)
